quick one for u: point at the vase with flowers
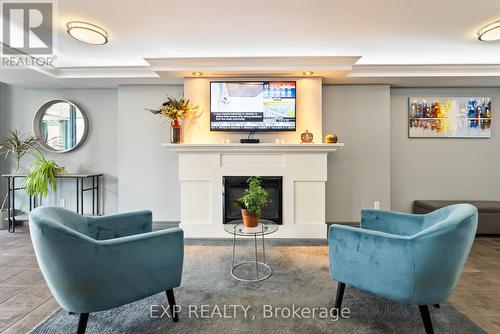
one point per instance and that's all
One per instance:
(175, 109)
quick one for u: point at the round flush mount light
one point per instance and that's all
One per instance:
(87, 32)
(490, 32)
(197, 74)
(308, 72)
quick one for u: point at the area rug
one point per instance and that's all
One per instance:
(297, 298)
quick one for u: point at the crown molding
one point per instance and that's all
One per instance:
(418, 71)
(333, 70)
(241, 63)
(105, 72)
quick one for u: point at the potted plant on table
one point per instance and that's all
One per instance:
(252, 202)
(175, 109)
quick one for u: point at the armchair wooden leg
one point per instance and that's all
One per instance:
(171, 302)
(338, 298)
(82, 323)
(426, 318)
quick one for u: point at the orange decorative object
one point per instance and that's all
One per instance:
(331, 138)
(306, 137)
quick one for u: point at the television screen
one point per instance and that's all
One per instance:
(252, 106)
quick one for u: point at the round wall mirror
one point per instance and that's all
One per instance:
(60, 126)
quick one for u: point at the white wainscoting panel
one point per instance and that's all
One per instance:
(252, 160)
(196, 202)
(309, 198)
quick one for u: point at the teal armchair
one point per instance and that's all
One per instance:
(407, 258)
(97, 263)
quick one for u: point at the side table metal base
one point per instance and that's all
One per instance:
(264, 227)
(258, 279)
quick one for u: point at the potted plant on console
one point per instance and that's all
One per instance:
(175, 109)
(252, 202)
(42, 174)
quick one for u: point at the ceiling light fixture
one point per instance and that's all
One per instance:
(87, 32)
(308, 73)
(197, 74)
(490, 32)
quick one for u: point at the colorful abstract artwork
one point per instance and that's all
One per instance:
(451, 117)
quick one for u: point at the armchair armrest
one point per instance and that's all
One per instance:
(133, 267)
(120, 225)
(372, 261)
(391, 222)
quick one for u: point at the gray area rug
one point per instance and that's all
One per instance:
(300, 277)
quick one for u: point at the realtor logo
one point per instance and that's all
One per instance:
(27, 27)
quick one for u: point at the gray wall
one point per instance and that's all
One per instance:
(147, 172)
(379, 162)
(4, 111)
(359, 174)
(97, 154)
(453, 169)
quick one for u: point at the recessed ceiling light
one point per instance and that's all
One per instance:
(87, 32)
(490, 32)
(197, 74)
(308, 73)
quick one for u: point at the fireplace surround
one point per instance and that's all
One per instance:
(233, 188)
(302, 167)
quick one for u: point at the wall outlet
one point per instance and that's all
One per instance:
(376, 205)
(62, 202)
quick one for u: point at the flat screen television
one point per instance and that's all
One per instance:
(252, 106)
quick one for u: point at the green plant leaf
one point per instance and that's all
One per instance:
(254, 198)
(17, 145)
(41, 177)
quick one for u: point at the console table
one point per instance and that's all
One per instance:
(80, 190)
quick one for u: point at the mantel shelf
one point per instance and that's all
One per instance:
(263, 148)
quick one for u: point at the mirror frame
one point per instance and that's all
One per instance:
(39, 115)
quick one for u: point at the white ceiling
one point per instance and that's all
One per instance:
(381, 32)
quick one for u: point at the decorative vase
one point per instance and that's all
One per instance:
(249, 220)
(175, 132)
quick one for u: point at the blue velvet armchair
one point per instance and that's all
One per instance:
(97, 263)
(407, 258)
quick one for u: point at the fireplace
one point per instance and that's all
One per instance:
(234, 186)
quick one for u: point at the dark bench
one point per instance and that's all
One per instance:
(489, 213)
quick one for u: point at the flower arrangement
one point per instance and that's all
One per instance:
(174, 108)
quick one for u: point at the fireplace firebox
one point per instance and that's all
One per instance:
(233, 187)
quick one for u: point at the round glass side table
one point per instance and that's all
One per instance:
(236, 228)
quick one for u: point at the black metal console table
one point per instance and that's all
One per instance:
(80, 190)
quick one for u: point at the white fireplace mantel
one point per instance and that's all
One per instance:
(302, 166)
(264, 148)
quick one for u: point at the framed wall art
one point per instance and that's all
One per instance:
(449, 117)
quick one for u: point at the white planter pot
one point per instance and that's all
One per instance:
(3, 221)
